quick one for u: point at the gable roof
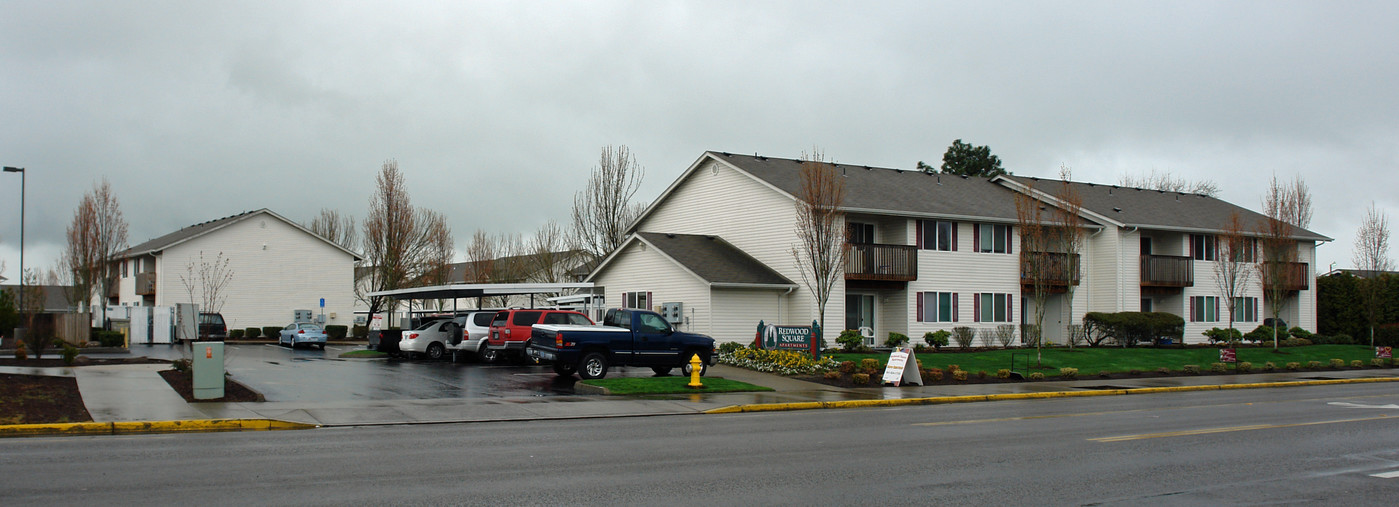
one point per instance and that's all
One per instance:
(55, 296)
(159, 244)
(1157, 209)
(709, 258)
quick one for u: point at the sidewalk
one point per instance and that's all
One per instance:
(125, 393)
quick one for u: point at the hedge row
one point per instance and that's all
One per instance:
(1130, 328)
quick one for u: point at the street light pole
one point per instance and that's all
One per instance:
(22, 179)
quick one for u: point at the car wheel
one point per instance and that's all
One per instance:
(661, 371)
(435, 351)
(593, 366)
(565, 369)
(490, 356)
(685, 368)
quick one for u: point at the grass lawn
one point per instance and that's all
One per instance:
(364, 354)
(672, 385)
(1090, 361)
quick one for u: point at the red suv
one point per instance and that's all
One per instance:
(510, 330)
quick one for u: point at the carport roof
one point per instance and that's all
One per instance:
(471, 290)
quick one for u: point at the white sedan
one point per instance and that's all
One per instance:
(430, 338)
(302, 334)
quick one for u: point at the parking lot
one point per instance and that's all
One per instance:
(283, 374)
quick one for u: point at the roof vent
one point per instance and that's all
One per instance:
(867, 168)
(671, 236)
(1119, 210)
(726, 154)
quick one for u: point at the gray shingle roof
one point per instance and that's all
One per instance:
(893, 191)
(163, 242)
(1155, 209)
(55, 296)
(713, 259)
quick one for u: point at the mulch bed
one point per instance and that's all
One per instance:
(183, 383)
(37, 399)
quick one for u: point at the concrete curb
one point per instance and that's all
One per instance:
(140, 427)
(940, 400)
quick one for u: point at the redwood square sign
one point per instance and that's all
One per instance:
(1227, 356)
(1384, 352)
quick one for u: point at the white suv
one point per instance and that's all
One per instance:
(476, 327)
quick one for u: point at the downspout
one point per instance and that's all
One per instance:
(1121, 285)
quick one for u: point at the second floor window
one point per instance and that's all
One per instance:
(860, 234)
(992, 238)
(1204, 247)
(937, 235)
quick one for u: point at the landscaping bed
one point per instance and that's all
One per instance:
(183, 382)
(38, 399)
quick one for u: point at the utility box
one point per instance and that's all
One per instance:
(673, 313)
(208, 370)
(301, 316)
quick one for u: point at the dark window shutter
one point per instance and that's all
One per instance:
(1009, 247)
(954, 307)
(976, 307)
(1010, 308)
(976, 237)
(919, 239)
(954, 236)
(920, 306)
(1192, 246)
(1192, 310)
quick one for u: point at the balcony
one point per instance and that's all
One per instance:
(883, 263)
(113, 288)
(145, 284)
(1167, 271)
(1293, 276)
(1059, 269)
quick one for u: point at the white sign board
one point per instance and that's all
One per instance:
(895, 371)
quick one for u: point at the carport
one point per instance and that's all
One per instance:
(459, 291)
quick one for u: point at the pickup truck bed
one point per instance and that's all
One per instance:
(590, 350)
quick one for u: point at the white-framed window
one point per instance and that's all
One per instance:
(993, 307)
(638, 300)
(937, 235)
(1204, 309)
(937, 307)
(1246, 309)
(992, 238)
(1204, 247)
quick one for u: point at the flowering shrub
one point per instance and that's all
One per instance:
(860, 378)
(1357, 364)
(1294, 366)
(1068, 373)
(934, 374)
(1218, 367)
(1002, 373)
(960, 374)
(783, 362)
(1314, 365)
(1269, 366)
(847, 366)
(1338, 363)
(869, 366)
(1192, 369)
(1377, 362)
(832, 375)
(1244, 367)
(1036, 376)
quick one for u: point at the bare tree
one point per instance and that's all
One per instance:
(339, 229)
(548, 252)
(1036, 237)
(1069, 234)
(1170, 183)
(211, 280)
(1287, 207)
(823, 247)
(1371, 258)
(1233, 264)
(603, 211)
(95, 237)
(399, 242)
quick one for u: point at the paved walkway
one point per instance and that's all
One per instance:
(135, 392)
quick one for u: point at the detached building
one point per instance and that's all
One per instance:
(277, 265)
(927, 252)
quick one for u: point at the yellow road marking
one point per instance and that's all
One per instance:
(1207, 431)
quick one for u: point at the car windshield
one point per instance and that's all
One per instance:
(427, 325)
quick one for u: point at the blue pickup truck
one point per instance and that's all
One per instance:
(625, 338)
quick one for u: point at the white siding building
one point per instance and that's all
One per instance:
(277, 266)
(927, 252)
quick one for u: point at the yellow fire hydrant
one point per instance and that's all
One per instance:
(695, 365)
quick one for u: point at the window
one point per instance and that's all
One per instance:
(1243, 250)
(860, 234)
(1203, 247)
(652, 323)
(1146, 304)
(123, 269)
(992, 307)
(937, 235)
(640, 300)
(1204, 309)
(937, 307)
(525, 318)
(578, 320)
(992, 238)
(1246, 309)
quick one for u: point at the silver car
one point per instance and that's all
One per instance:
(302, 334)
(475, 328)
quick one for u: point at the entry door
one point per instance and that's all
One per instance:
(859, 311)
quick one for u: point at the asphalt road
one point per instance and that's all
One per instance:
(283, 374)
(1311, 445)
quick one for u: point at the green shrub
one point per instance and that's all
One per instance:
(959, 375)
(832, 375)
(896, 340)
(850, 340)
(1130, 328)
(70, 353)
(860, 379)
(1003, 373)
(361, 332)
(1218, 368)
(1191, 369)
(1296, 342)
(1293, 366)
(934, 374)
(869, 366)
(1261, 334)
(1244, 367)
(271, 332)
(1036, 376)
(235, 334)
(936, 339)
(1217, 335)
(964, 336)
(336, 332)
(1297, 332)
(1342, 339)
(1068, 373)
(1338, 363)
(1357, 364)
(847, 366)
(1377, 362)
(110, 338)
(729, 347)
(253, 333)
(1313, 365)
(1269, 366)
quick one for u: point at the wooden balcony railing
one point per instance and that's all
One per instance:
(1293, 275)
(897, 263)
(1058, 269)
(1167, 271)
(145, 284)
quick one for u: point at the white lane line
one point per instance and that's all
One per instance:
(1387, 475)
(1362, 405)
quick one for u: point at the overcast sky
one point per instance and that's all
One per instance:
(496, 111)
